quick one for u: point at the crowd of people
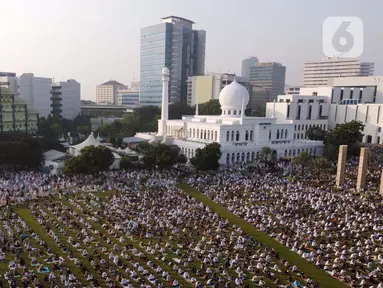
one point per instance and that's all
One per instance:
(150, 233)
(339, 230)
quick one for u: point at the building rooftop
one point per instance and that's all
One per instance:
(179, 18)
(112, 82)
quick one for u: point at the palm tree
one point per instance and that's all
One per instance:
(319, 165)
(302, 159)
(267, 156)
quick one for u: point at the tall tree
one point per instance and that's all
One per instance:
(211, 107)
(208, 157)
(317, 134)
(267, 156)
(303, 160)
(319, 165)
(347, 133)
(179, 109)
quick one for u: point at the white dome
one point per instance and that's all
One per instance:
(231, 98)
(165, 71)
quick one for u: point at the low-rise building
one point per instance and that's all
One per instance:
(128, 97)
(15, 114)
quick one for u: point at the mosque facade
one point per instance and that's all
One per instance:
(241, 137)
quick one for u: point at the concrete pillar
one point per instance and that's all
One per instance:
(341, 165)
(165, 102)
(381, 184)
(362, 170)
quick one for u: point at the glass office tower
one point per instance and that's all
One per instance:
(175, 45)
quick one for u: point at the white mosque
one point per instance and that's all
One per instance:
(241, 137)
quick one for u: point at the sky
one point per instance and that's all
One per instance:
(94, 41)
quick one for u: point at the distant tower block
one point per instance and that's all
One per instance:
(362, 170)
(381, 184)
(341, 165)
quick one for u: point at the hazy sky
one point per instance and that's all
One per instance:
(94, 41)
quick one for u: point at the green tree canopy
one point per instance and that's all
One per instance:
(212, 107)
(92, 160)
(267, 156)
(347, 133)
(179, 109)
(207, 158)
(317, 134)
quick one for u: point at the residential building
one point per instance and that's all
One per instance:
(65, 99)
(355, 98)
(208, 87)
(317, 73)
(36, 91)
(173, 44)
(241, 137)
(269, 75)
(128, 97)
(247, 64)
(15, 113)
(106, 93)
(303, 111)
(293, 90)
(259, 96)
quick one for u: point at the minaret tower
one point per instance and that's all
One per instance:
(165, 102)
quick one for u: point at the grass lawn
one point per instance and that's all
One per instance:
(316, 274)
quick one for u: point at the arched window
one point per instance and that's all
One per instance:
(285, 153)
(237, 136)
(208, 135)
(227, 136)
(294, 152)
(252, 156)
(204, 134)
(224, 112)
(247, 135)
(248, 157)
(289, 153)
(299, 127)
(251, 135)
(298, 136)
(277, 134)
(235, 112)
(240, 112)
(315, 151)
(233, 158)
(238, 157)
(201, 137)
(232, 135)
(197, 133)
(286, 134)
(227, 159)
(269, 134)
(257, 154)
(243, 156)
(298, 152)
(215, 135)
(228, 112)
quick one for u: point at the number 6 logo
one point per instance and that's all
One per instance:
(342, 37)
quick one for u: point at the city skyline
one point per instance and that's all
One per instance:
(103, 43)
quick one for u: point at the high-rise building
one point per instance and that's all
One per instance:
(207, 87)
(36, 91)
(175, 45)
(317, 73)
(15, 113)
(246, 64)
(269, 75)
(46, 97)
(65, 99)
(106, 93)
